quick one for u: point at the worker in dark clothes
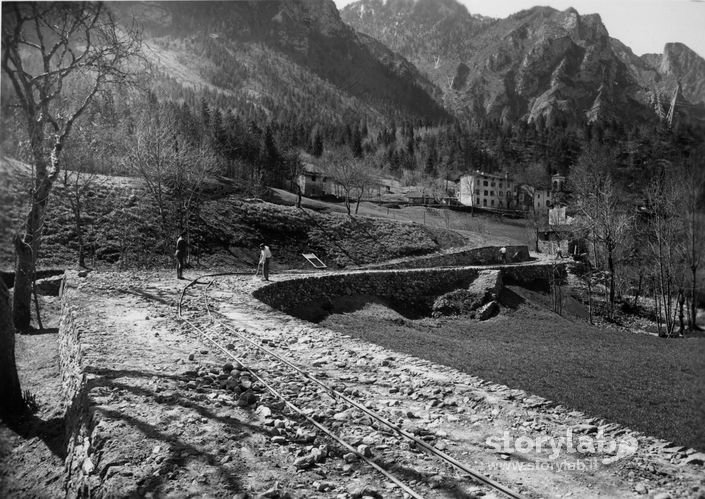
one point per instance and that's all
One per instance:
(181, 247)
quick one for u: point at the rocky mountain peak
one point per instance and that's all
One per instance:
(428, 9)
(678, 58)
(540, 61)
(547, 22)
(318, 15)
(681, 65)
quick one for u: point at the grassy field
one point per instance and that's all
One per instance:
(651, 384)
(479, 230)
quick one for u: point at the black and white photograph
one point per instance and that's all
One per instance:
(352, 249)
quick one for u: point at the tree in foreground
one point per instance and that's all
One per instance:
(10, 392)
(58, 57)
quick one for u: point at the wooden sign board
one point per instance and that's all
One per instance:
(314, 260)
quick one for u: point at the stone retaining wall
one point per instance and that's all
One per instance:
(415, 286)
(77, 420)
(488, 255)
(9, 277)
(532, 276)
(403, 285)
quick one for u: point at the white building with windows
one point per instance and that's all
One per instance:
(487, 190)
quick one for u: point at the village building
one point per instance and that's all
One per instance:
(554, 237)
(487, 190)
(419, 198)
(313, 182)
(542, 199)
(386, 186)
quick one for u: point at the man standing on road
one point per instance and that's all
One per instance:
(181, 247)
(264, 258)
(503, 254)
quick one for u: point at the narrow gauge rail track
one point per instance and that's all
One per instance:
(335, 393)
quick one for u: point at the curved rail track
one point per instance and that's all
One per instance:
(213, 328)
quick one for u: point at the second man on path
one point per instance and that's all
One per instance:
(180, 254)
(264, 258)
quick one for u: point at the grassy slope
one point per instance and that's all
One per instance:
(478, 230)
(648, 383)
(337, 239)
(117, 213)
(121, 216)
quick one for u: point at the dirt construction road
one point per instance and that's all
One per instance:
(172, 415)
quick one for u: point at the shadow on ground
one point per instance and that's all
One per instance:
(176, 460)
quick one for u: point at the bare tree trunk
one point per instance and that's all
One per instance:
(36, 303)
(22, 295)
(610, 265)
(357, 203)
(76, 205)
(693, 319)
(638, 289)
(657, 295)
(347, 203)
(556, 291)
(681, 304)
(589, 284)
(10, 391)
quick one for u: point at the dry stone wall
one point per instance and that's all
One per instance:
(73, 383)
(531, 276)
(414, 286)
(9, 277)
(489, 255)
(402, 285)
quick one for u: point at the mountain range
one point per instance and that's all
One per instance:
(427, 60)
(296, 55)
(560, 65)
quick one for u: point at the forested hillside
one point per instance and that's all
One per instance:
(254, 84)
(241, 90)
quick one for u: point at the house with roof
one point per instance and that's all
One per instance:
(541, 199)
(487, 190)
(313, 182)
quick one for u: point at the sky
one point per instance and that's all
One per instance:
(644, 25)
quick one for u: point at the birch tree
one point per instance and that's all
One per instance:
(665, 242)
